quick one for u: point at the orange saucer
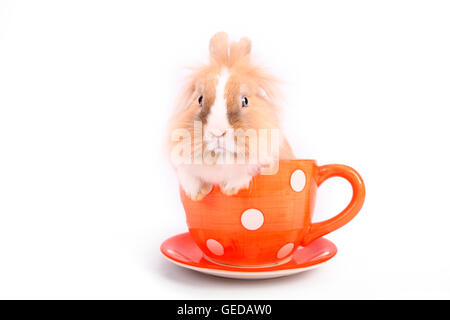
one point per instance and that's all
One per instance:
(182, 250)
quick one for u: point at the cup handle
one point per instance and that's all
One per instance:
(318, 229)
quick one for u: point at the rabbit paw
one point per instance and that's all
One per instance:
(233, 186)
(194, 187)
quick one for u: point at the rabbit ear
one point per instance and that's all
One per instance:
(240, 50)
(218, 48)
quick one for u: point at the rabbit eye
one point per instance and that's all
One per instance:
(244, 102)
(200, 101)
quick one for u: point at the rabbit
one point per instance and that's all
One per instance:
(226, 96)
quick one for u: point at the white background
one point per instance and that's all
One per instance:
(86, 196)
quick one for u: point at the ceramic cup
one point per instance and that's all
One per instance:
(264, 224)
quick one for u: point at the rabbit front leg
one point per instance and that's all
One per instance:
(193, 186)
(232, 185)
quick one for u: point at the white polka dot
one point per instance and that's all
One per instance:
(252, 219)
(285, 250)
(298, 180)
(215, 247)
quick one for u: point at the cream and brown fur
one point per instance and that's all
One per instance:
(228, 94)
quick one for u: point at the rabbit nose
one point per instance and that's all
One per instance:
(218, 133)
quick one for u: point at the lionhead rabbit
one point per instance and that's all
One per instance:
(226, 127)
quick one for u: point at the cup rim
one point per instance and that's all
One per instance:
(298, 160)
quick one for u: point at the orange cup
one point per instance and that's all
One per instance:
(264, 224)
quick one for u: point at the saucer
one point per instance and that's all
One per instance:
(182, 250)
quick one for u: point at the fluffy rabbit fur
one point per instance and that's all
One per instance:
(228, 94)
